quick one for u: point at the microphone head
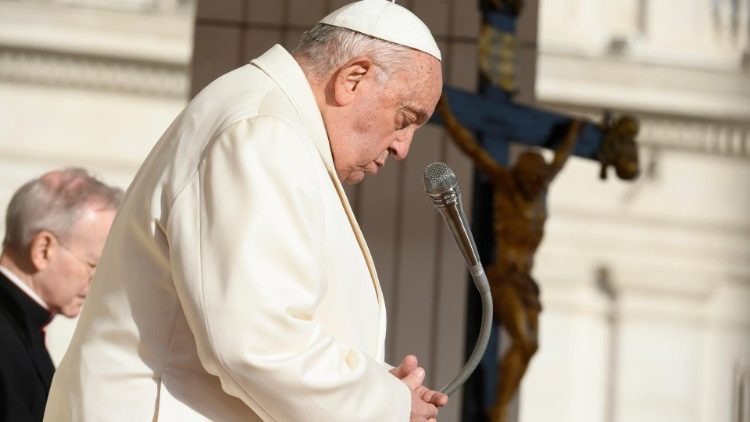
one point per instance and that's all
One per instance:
(439, 179)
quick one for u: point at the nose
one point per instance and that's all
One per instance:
(399, 148)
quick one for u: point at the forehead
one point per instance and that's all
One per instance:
(92, 225)
(425, 70)
(422, 82)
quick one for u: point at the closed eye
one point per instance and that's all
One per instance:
(413, 116)
(405, 122)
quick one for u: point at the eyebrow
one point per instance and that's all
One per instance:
(421, 114)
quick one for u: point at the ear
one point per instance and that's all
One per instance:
(347, 82)
(43, 246)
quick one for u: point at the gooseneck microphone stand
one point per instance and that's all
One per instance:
(441, 186)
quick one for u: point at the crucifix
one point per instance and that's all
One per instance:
(510, 201)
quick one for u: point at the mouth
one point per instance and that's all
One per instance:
(373, 169)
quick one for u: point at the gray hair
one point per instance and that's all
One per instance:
(54, 202)
(325, 47)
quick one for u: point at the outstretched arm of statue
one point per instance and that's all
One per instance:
(467, 142)
(565, 148)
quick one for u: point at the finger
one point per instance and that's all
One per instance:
(408, 364)
(424, 411)
(433, 397)
(410, 361)
(414, 379)
(433, 413)
(427, 394)
(438, 399)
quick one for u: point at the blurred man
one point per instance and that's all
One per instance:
(55, 231)
(236, 284)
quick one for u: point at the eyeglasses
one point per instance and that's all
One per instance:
(90, 265)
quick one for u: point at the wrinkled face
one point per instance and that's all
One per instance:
(384, 117)
(64, 282)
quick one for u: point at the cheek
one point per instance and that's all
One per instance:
(384, 133)
(75, 279)
(373, 142)
(374, 134)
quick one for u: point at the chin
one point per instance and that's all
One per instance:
(71, 312)
(354, 178)
(354, 181)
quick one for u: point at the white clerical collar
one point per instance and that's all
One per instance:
(23, 286)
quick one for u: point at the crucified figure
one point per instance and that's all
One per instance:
(519, 214)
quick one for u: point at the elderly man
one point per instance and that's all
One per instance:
(55, 231)
(236, 284)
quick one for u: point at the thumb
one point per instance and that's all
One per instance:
(414, 379)
(407, 365)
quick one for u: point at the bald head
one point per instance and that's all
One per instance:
(56, 226)
(54, 202)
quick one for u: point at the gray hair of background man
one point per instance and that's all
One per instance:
(55, 204)
(324, 48)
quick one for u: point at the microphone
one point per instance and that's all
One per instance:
(441, 186)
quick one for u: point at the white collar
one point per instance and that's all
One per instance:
(280, 66)
(23, 286)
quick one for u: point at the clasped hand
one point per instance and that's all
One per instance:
(424, 402)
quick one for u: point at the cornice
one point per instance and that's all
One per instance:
(98, 48)
(718, 93)
(93, 72)
(714, 137)
(674, 132)
(158, 36)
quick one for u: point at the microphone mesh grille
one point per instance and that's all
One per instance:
(439, 178)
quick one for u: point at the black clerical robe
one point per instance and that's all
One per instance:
(26, 368)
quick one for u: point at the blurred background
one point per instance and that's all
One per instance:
(645, 284)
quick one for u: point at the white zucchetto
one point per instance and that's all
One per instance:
(387, 21)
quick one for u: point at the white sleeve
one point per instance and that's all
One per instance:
(252, 307)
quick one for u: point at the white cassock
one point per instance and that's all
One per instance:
(235, 283)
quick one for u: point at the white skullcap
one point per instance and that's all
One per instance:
(385, 20)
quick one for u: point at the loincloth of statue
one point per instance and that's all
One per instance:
(518, 283)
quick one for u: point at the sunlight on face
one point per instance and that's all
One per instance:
(385, 117)
(67, 279)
